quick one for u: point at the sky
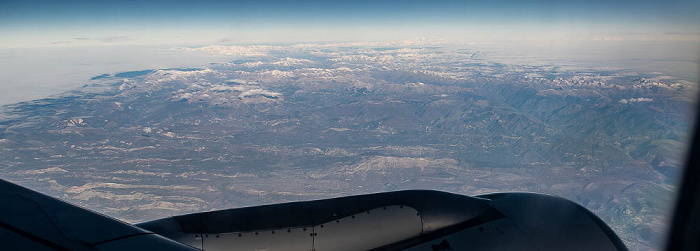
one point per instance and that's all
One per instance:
(29, 23)
(48, 47)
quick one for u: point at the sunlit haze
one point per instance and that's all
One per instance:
(80, 23)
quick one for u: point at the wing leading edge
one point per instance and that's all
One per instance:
(33, 221)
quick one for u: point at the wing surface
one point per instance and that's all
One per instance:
(33, 221)
(412, 220)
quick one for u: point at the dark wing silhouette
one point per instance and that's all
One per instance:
(403, 220)
(33, 221)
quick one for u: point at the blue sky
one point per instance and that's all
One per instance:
(76, 23)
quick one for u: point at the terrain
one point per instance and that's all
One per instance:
(310, 121)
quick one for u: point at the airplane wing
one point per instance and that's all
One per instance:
(33, 221)
(405, 220)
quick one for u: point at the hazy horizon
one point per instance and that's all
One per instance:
(84, 23)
